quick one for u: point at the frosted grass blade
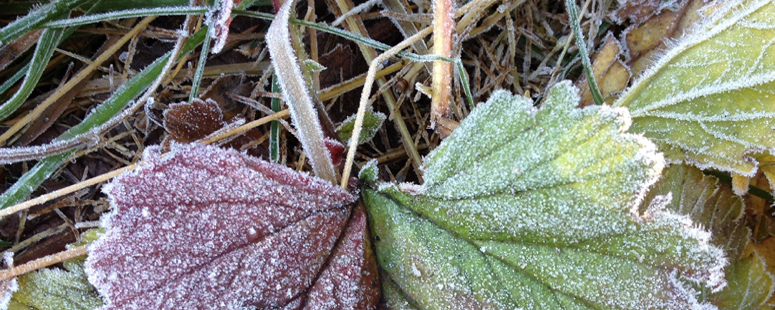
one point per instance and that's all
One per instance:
(36, 18)
(46, 44)
(95, 18)
(28, 182)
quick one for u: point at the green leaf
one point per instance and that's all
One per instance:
(372, 121)
(708, 100)
(537, 209)
(718, 209)
(56, 289)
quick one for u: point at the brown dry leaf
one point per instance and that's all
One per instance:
(188, 122)
(611, 74)
(767, 165)
(339, 62)
(645, 41)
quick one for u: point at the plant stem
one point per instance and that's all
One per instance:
(42, 262)
(443, 27)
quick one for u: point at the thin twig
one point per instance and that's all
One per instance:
(42, 262)
(363, 103)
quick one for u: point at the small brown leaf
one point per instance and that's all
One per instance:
(190, 122)
(206, 228)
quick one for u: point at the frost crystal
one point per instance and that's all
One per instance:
(224, 231)
(537, 209)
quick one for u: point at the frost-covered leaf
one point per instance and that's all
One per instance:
(536, 209)
(205, 228)
(187, 122)
(372, 121)
(708, 100)
(719, 210)
(56, 289)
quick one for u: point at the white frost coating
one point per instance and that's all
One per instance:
(300, 104)
(220, 28)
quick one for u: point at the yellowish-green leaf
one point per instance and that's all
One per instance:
(57, 289)
(718, 209)
(710, 100)
(537, 209)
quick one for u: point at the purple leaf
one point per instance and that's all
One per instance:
(205, 228)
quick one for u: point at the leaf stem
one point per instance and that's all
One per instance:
(364, 101)
(274, 129)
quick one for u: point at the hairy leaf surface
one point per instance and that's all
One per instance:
(537, 209)
(719, 210)
(205, 228)
(710, 99)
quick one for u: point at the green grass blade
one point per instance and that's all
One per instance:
(200, 67)
(127, 92)
(164, 11)
(36, 18)
(573, 13)
(46, 45)
(274, 130)
(15, 78)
